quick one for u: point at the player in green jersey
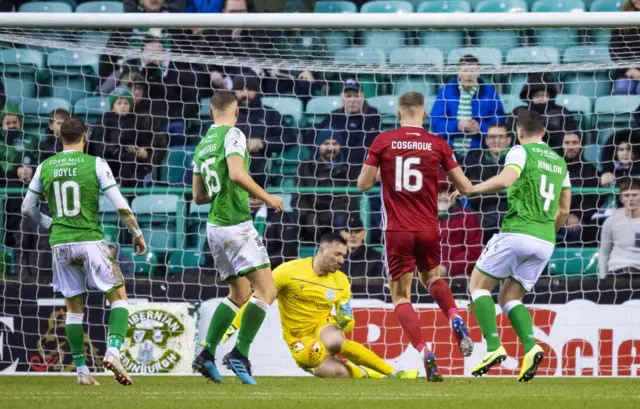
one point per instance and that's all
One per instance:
(539, 197)
(221, 178)
(72, 182)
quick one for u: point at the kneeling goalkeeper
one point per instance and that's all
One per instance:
(308, 289)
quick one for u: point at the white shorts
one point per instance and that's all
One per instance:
(519, 256)
(237, 250)
(91, 261)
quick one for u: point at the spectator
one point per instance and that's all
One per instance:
(619, 251)
(17, 148)
(623, 47)
(361, 259)
(481, 165)
(465, 107)
(123, 141)
(320, 213)
(263, 127)
(461, 234)
(357, 123)
(620, 157)
(579, 228)
(154, 6)
(204, 6)
(540, 95)
(51, 144)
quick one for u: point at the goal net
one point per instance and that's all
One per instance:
(314, 91)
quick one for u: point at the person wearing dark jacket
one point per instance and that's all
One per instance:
(51, 144)
(263, 126)
(321, 213)
(620, 157)
(625, 46)
(361, 260)
(540, 95)
(481, 165)
(465, 107)
(357, 123)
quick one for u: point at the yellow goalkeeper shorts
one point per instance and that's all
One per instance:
(314, 332)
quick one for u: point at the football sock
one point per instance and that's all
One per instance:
(410, 323)
(75, 336)
(485, 311)
(118, 325)
(220, 320)
(361, 355)
(252, 320)
(441, 293)
(520, 318)
(238, 319)
(355, 371)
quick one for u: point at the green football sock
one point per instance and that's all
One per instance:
(520, 318)
(118, 325)
(485, 311)
(75, 336)
(252, 320)
(222, 317)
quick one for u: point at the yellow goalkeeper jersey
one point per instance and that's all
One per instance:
(306, 300)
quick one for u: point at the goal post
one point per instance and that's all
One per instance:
(302, 65)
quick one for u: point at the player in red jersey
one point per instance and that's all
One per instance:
(408, 160)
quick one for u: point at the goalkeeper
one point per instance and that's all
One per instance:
(308, 289)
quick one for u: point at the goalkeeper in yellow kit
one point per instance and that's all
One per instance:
(308, 291)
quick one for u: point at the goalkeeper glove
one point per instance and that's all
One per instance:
(344, 314)
(227, 335)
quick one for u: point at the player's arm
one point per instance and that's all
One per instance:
(108, 186)
(460, 180)
(199, 190)
(31, 204)
(514, 164)
(564, 207)
(370, 172)
(344, 312)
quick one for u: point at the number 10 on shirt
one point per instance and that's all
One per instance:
(404, 174)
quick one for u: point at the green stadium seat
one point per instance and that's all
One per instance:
(91, 109)
(45, 7)
(574, 261)
(384, 6)
(501, 6)
(558, 6)
(511, 102)
(158, 218)
(487, 56)
(205, 105)
(604, 6)
(100, 7)
(616, 110)
(287, 163)
(386, 39)
(427, 85)
(176, 163)
(289, 107)
(504, 39)
(196, 230)
(580, 105)
(559, 38)
(335, 7)
(73, 74)
(36, 111)
(183, 259)
(592, 153)
(19, 69)
(387, 105)
(586, 54)
(444, 6)
(427, 56)
(306, 251)
(142, 265)
(533, 55)
(589, 84)
(107, 212)
(319, 107)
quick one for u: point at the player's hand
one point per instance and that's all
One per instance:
(606, 179)
(227, 335)
(139, 245)
(276, 202)
(455, 196)
(344, 314)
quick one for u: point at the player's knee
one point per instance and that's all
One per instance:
(240, 298)
(264, 286)
(334, 345)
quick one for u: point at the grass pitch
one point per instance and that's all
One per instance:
(61, 392)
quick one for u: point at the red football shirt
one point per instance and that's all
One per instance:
(409, 159)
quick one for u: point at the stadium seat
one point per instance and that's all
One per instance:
(589, 84)
(205, 105)
(592, 153)
(142, 265)
(422, 81)
(528, 56)
(45, 7)
(357, 56)
(100, 7)
(289, 107)
(183, 259)
(110, 219)
(580, 105)
(559, 38)
(287, 163)
(616, 110)
(604, 6)
(487, 56)
(511, 102)
(558, 6)
(386, 39)
(505, 39)
(306, 251)
(91, 109)
(335, 7)
(318, 108)
(574, 261)
(73, 74)
(417, 56)
(387, 105)
(176, 163)
(444, 6)
(384, 6)
(159, 217)
(196, 231)
(427, 85)
(20, 69)
(586, 54)
(36, 111)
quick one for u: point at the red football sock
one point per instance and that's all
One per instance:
(410, 323)
(441, 293)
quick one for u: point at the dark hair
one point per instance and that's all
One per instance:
(330, 238)
(628, 6)
(468, 60)
(72, 130)
(574, 132)
(530, 122)
(222, 99)
(59, 112)
(499, 125)
(630, 184)
(411, 100)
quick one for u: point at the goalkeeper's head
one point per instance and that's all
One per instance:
(73, 134)
(224, 108)
(411, 109)
(330, 255)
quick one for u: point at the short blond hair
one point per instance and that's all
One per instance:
(411, 100)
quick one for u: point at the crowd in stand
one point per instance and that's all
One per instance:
(155, 105)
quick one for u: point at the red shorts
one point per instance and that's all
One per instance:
(406, 250)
